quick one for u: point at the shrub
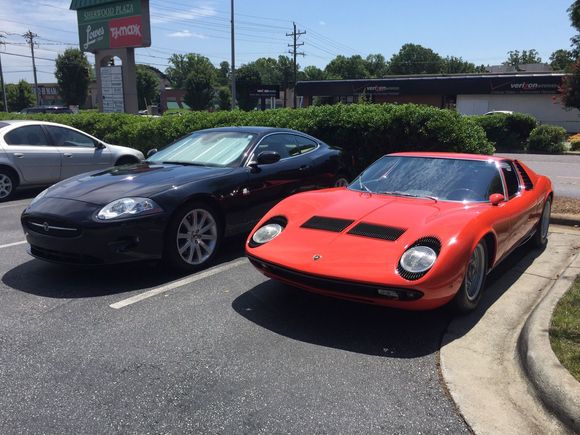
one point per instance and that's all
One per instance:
(547, 139)
(575, 142)
(507, 131)
(364, 131)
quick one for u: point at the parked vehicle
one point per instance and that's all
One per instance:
(413, 231)
(47, 109)
(36, 153)
(182, 201)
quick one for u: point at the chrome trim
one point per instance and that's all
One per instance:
(252, 151)
(50, 227)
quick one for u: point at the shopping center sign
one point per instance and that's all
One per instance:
(107, 24)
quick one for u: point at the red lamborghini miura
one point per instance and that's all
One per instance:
(414, 230)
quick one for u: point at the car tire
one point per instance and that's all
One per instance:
(193, 237)
(540, 238)
(471, 290)
(8, 185)
(341, 180)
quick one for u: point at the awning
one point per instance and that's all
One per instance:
(83, 4)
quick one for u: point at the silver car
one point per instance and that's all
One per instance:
(36, 153)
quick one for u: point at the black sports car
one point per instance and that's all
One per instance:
(182, 201)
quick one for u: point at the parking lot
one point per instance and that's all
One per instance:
(141, 349)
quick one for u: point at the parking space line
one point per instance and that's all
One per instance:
(178, 283)
(15, 204)
(12, 244)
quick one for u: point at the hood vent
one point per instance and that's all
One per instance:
(377, 231)
(525, 177)
(327, 224)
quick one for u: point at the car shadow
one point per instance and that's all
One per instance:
(363, 328)
(64, 281)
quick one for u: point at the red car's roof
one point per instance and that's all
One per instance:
(442, 155)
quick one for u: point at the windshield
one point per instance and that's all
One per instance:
(223, 148)
(435, 178)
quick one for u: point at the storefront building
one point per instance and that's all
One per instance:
(471, 94)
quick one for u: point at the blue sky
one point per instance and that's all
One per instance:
(479, 31)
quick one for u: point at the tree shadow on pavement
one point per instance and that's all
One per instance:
(63, 281)
(363, 328)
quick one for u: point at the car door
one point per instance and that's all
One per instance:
(30, 151)
(268, 184)
(79, 152)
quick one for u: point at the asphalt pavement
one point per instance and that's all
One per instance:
(139, 349)
(563, 170)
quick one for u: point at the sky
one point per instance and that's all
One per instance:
(481, 32)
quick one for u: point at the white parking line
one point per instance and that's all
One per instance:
(178, 283)
(15, 204)
(12, 244)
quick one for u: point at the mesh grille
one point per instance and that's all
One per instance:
(527, 180)
(327, 224)
(377, 231)
(430, 242)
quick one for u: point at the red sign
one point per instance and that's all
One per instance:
(126, 32)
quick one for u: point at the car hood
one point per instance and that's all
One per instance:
(140, 180)
(363, 256)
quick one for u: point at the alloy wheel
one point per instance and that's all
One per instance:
(6, 186)
(475, 273)
(197, 236)
(341, 182)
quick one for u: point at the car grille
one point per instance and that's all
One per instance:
(63, 257)
(345, 287)
(377, 231)
(327, 224)
(51, 228)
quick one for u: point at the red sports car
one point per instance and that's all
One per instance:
(413, 231)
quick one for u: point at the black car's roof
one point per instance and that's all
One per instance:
(253, 129)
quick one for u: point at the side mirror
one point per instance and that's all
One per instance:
(151, 152)
(99, 145)
(266, 158)
(496, 198)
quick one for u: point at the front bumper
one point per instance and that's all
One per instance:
(70, 236)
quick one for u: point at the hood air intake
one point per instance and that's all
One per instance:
(327, 224)
(377, 231)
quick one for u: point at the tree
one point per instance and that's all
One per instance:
(376, 65)
(147, 86)
(183, 65)
(224, 98)
(223, 73)
(342, 67)
(415, 59)
(199, 84)
(312, 72)
(19, 96)
(561, 60)
(72, 75)
(248, 79)
(456, 65)
(515, 58)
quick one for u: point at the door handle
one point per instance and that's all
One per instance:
(69, 155)
(18, 155)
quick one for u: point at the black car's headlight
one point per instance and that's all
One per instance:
(128, 207)
(268, 232)
(419, 258)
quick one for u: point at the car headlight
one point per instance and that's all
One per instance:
(268, 232)
(127, 207)
(418, 259)
(39, 196)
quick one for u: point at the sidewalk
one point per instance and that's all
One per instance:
(479, 357)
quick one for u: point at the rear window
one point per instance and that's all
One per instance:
(28, 135)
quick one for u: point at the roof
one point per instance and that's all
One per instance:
(83, 4)
(443, 155)
(252, 129)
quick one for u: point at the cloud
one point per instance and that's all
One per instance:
(196, 13)
(322, 23)
(186, 34)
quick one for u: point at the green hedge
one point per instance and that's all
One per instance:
(547, 139)
(365, 131)
(509, 132)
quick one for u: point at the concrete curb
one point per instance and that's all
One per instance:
(572, 220)
(554, 385)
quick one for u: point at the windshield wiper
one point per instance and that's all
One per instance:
(182, 163)
(363, 185)
(409, 195)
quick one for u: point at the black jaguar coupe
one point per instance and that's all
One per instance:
(182, 201)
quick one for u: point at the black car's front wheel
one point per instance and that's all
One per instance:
(193, 237)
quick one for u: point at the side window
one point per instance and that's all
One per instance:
(511, 178)
(28, 135)
(495, 186)
(305, 145)
(283, 144)
(64, 137)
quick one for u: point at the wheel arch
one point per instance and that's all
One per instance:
(126, 159)
(208, 199)
(13, 172)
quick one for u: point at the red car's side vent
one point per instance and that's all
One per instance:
(527, 180)
(327, 224)
(377, 231)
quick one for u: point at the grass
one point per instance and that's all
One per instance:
(565, 330)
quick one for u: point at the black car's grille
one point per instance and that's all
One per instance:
(377, 231)
(351, 288)
(327, 224)
(527, 180)
(52, 228)
(430, 242)
(63, 257)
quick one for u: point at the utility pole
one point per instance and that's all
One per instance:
(295, 34)
(29, 36)
(233, 60)
(3, 89)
